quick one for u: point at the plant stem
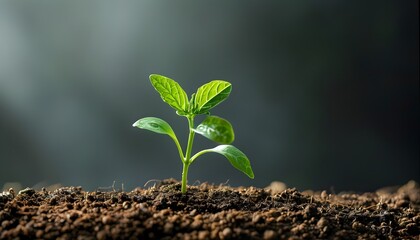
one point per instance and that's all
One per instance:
(184, 177)
(181, 154)
(199, 154)
(186, 161)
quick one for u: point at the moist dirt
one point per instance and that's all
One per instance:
(210, 212)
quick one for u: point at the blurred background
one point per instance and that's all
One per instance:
(325, 93)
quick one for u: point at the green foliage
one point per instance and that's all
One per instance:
(211, 94)
(156, 125)
(214, 128)
(171, 93)
(236, 157)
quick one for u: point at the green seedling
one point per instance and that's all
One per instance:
(214, 128)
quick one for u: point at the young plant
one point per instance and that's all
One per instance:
(214, 128)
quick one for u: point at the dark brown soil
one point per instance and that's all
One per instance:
(209, 212)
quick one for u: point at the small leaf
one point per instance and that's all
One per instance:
(211, 94)
(216, 129)
(191, 103)
(171, 93)
(237, 158)
(156, 125)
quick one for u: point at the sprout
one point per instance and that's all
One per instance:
(214, 128)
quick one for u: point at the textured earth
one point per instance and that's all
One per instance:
(210, 212)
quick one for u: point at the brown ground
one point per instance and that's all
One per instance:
(209, 212)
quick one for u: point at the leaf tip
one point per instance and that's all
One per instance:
(153, 77)
(136, 123)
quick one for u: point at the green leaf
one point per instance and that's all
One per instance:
(216, 129)
(156, 125)
(171, 93)
(211, 94)
(237, 158)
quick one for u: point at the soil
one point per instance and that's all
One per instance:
(210, 212)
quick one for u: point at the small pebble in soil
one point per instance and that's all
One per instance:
(270, 235)
(322, 222)
(226, 233)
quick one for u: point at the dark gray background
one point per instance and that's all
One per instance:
(325, 93)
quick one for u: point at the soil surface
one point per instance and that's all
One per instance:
(210, 212)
